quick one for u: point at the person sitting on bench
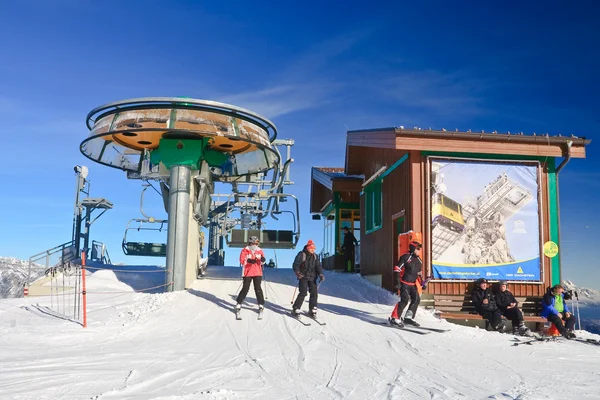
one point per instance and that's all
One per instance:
(509, 306)
(485, 305)
(555, 309)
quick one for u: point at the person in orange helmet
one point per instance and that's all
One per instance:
(408, 275)
(307, 268)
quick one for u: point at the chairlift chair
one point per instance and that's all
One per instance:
(145, 249)
(269, 239)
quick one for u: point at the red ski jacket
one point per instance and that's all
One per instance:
(252, 261)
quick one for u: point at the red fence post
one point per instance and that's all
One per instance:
(83, 289)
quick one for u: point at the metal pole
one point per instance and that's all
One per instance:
(83, 291)
(77, 209)
(289, 156)
(265, 280)
(177, 234)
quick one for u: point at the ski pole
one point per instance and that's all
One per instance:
(265, 279)
(577, 304)
(293, 295)
(238, 289)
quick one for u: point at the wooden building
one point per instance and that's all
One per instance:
(395, 180)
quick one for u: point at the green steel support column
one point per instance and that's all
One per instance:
(554, 220)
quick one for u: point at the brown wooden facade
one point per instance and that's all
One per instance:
(334, 194)
(404, 190)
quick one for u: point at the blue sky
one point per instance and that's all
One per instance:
(314, 68)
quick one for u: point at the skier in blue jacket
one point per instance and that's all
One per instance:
(556, 310)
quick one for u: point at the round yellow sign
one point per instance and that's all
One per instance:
(550, 249)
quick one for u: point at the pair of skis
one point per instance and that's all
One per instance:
(544, 339)
(297, 318)
(418, 329)
(535, 339)
(238, 314)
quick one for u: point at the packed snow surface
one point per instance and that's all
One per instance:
(188, 345)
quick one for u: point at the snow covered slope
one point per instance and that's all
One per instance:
(188, 345)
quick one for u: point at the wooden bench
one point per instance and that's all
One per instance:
(461, 307)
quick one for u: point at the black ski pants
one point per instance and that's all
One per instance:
(494, 317)
(563, 323)
(305, 285)
(260, 299)
(408, 293)
(515, 315)
(349, 259)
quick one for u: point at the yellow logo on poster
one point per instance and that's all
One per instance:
(550, 249)
(520, 270)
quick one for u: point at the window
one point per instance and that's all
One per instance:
(451, 204)
(329, 237)
(373, 206)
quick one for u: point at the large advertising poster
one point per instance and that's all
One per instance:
(484, 220)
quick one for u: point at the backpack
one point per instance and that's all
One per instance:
(303, 262)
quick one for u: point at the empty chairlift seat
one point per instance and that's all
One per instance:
(145, 249)
(269, 239)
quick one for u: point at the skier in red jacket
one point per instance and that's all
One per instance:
(251, 259)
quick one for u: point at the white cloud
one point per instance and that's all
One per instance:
(279, 100)
(447, 95)
(309, 81)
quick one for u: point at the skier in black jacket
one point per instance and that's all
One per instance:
(348, 249)
(307, 267)
(485, 304)
(407, 271)
(509, 306)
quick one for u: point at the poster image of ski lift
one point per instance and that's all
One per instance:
(479, 211)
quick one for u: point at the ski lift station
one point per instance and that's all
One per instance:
(484, 204)
(182, 148)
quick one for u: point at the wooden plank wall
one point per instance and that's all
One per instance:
(523, 289)
(319, 196)
(349, 197)
(377, 248)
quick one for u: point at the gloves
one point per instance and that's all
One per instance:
(322, 277)
(299, 275)
(251, 261)
(263, 259)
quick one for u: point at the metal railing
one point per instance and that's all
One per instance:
(99, 252)
(56, 256)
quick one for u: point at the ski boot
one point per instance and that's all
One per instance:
(569, 334)
(408, 319)
(295, 312)
(396, 322)
(313, 313)
(238, 309)
(261, 308)
(501, 327)
(523, 330)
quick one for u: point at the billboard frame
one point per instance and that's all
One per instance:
(541, 212)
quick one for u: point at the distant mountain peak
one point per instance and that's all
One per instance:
(581, 291)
